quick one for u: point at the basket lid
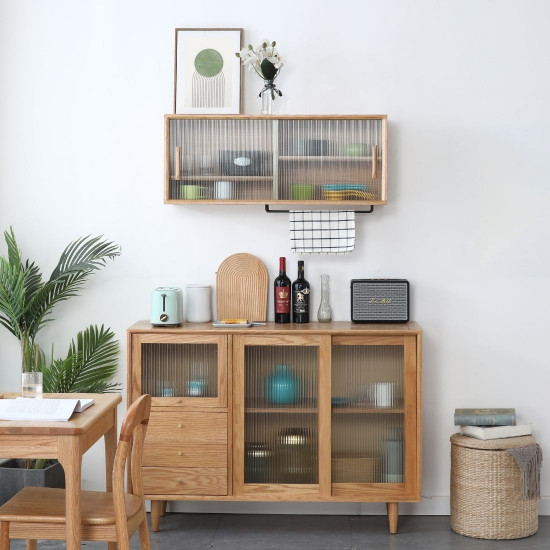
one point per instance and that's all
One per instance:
(492, 444)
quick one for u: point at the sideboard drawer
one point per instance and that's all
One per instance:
(184, 428)
(190, 455)
(184, 481)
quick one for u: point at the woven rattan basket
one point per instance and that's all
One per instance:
(486, 498)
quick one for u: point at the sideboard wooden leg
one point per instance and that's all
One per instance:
(156, 506)
(391, 508)
(163, 508)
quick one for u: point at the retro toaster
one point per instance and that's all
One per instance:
(379, 300)
(167, 306)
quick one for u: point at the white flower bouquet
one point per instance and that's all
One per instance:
(265, 60)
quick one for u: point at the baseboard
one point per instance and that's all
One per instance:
(430, 506)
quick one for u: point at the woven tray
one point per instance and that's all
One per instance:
(486, 498)
(355, 468)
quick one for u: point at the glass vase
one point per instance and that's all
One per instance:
(324, 315)
(29, 356)
(268, 94)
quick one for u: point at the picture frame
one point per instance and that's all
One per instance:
(208, 75)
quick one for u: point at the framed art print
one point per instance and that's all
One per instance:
(207, 73)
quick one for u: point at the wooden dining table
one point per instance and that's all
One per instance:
(67, 442)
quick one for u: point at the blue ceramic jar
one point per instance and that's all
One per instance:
(282, 387)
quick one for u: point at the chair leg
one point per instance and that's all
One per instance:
(144, 542)
(4, 535)
(32, 544)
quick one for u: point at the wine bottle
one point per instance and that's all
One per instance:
(281, 294)
(300, 297)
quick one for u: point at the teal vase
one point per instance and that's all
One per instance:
(282, 387)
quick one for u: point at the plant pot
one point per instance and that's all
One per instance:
(14, 477)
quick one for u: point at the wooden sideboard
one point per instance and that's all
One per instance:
(322, 412)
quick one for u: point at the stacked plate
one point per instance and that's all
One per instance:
(347, 191)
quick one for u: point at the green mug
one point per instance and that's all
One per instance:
(302, 191)
(193, 192)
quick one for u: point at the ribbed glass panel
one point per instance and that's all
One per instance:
(367, 414)
(180, 370)
(330, 160)
(236, 153)
(281, 415)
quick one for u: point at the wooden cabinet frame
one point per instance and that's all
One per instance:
(377, 167)
(230, 401)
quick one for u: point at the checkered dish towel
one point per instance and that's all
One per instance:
(322, 231)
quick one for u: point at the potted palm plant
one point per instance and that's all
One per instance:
(26, 305)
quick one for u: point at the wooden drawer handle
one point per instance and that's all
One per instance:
(180, 426)
(178, 402)
(180, 481)
(180, 453)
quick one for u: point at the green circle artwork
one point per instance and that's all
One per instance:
(209, 62)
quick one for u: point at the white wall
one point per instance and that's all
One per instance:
(84, 86)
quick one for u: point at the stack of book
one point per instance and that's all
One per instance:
(490, 423)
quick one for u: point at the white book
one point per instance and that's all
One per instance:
(496, 432)
(49, 410)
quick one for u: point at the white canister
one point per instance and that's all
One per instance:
(198, 303)
(382, 394)
(223, 189)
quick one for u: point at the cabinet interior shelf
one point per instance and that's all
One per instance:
(327, 158)
(366, 410)
(279, 410)
(217, 177)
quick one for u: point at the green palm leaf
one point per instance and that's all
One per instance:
(12, 297)
(78, 261)
(91, 361)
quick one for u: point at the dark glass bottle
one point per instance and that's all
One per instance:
(300, 297)
(281, 294)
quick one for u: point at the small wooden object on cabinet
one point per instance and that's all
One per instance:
(320, 439)
(39, 512)
(275, 159)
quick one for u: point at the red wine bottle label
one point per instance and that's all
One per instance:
(282, 299)
(301, 301)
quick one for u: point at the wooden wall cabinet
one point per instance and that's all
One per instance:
(318, 412)
(271, 159)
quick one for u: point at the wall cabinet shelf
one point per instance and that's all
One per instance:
(319, 412)
(271, 159)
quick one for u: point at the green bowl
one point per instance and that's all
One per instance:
(302, 191)
(356, 150)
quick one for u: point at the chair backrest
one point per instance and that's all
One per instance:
(132, 436)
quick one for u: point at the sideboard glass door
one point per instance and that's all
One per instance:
(182, 370)
(373, 419)
(276, 394)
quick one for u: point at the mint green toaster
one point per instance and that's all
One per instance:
(167, 306)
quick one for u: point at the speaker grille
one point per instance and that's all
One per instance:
(380, 301)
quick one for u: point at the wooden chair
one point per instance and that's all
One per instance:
(39, 512)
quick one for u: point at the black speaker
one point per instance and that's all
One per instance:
(379, 300)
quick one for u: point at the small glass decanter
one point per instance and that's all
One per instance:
(324, 315)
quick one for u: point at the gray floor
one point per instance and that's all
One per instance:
(258, 532)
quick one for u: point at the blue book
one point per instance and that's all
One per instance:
(485, 417)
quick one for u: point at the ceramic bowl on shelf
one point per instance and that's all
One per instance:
(302, 191)
(356, 149)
